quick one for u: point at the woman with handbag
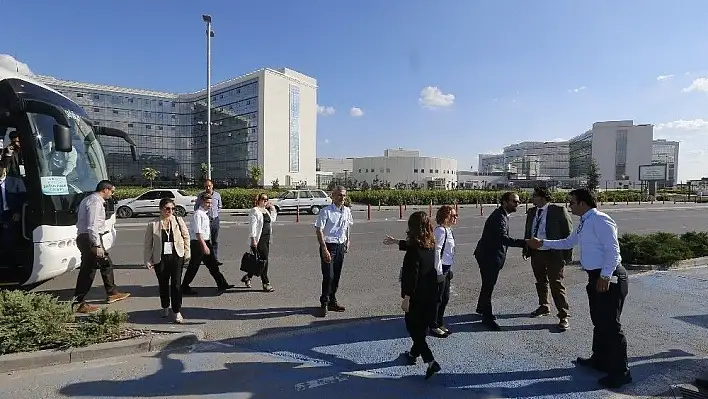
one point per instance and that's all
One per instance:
(260, 219)
(166, 248)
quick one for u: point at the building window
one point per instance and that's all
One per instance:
(130, 125)
(381, 170)
(148, 127)
(79, 95)
(431, 171)
(96, 110)
(359, 170)
(388, 170)
(436, 170)
(95, 97)
(294, 129)
(115, 111)
(415, 170)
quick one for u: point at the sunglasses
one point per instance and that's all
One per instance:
(169, 208)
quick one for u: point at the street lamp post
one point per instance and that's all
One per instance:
(209, 35)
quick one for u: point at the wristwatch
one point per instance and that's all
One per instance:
(606, 278)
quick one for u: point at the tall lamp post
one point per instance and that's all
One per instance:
(209, 35)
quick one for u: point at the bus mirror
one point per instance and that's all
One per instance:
(62, 138)
(133, 153)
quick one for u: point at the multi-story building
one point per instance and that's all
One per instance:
(267, 118)
(666, 152)
(492, 163)
(329, 169)
(405, 167)
(618, 148)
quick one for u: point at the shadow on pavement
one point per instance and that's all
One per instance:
(243, 375)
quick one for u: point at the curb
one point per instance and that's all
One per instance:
(682, 264)
(134, 346)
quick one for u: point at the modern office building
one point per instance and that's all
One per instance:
(529, 160)
(618, 148)
(399, 167)
(267, 118)
(329, 169)
(667, 152)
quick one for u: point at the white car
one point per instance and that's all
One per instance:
(149, 202)
(304, 200)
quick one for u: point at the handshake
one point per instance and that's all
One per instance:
(534, 243)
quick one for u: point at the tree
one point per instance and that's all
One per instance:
(275, 184)
(255, 173)
(593, 176)
(150, 175)
(204, 168)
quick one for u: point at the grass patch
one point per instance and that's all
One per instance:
(662, 248)
(37, 321)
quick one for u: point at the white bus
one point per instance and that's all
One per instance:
(62, 161)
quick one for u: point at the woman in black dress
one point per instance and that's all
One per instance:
(419, 288)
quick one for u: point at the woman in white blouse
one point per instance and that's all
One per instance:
(260, 219)
(444, 259)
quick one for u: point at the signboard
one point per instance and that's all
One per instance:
(54, 185)
(652, 172)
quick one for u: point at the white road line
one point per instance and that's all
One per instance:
(320, 382)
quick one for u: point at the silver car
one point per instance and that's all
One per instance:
(304, 200)
(149, 202)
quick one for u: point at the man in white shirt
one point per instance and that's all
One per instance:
(213, 214)
(201, 248)
(333, 227)
(90, 226)
(600, 258)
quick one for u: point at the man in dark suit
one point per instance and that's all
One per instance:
(491, 254)
(552, 222)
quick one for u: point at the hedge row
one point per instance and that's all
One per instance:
(662, 248)
(240, 198)
(36, 321)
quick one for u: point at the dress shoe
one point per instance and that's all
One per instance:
(433, 368)
(591, 363)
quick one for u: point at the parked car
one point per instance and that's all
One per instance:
(149, 202)
(309, 200)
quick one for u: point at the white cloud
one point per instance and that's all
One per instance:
(577, 89)
(326, 141)
(664, 77)
(693, 124)
(9, 62)
(356, 112)
(699, 84)
(325, 110)
(433, 97)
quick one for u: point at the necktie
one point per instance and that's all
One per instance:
(539, 213)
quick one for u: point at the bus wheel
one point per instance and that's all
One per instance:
(124, 212)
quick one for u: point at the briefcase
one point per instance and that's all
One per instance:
(251, 263)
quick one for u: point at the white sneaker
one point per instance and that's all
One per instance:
(178, 318)
(165, 312)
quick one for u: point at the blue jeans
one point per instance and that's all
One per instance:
(331, 272)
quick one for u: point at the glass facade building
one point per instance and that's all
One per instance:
(171, 133)
(667, 152)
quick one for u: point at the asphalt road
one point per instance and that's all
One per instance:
(267, 345)
(369, 285)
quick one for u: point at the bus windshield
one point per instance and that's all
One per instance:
(64, 173)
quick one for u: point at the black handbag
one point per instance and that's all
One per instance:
(251, 263)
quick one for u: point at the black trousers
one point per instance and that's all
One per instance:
(331, 272)
(609, 345)
(87, 270)
(214, 226)
(197, 257)
(169, 280)
(418, 319)
(490, 274)
(443, 299)
(263, 250)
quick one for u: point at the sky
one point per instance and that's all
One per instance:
(451, 78)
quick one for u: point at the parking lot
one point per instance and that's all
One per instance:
(272, 336)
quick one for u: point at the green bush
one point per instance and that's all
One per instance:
(662, 248)
(37, 321)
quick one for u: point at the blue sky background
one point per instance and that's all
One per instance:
(518, 70)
